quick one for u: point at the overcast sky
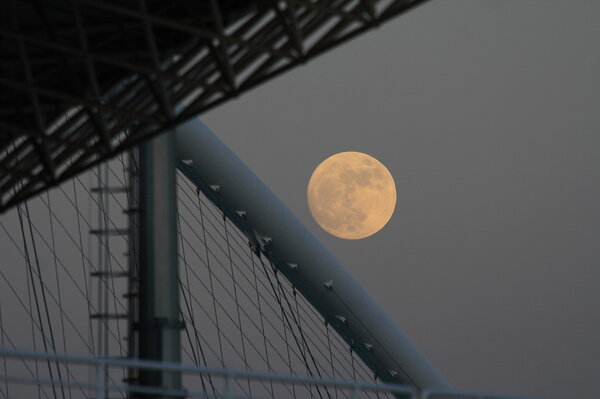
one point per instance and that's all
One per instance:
(486, 112)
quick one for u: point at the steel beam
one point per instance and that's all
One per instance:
(198, 60)
(302, 259)
(159, 323)
(184, 27)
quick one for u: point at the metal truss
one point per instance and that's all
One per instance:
(82, 80)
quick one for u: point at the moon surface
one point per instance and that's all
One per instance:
(351, 195)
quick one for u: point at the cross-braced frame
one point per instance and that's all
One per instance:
(82, 80)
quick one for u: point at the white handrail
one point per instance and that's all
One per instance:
(102, 389)
(101, 365)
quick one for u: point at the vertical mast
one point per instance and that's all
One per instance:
(159, 323)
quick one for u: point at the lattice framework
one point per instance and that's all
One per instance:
(83, 80)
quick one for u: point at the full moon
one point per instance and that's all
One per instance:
(351, 195)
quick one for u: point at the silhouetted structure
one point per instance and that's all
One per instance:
(83, 80)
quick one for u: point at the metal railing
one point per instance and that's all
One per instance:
(100, 384)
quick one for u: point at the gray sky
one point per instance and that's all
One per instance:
(486, 113)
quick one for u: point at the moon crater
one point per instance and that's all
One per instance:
(351, 195)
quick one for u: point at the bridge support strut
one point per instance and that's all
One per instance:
(159, 323)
